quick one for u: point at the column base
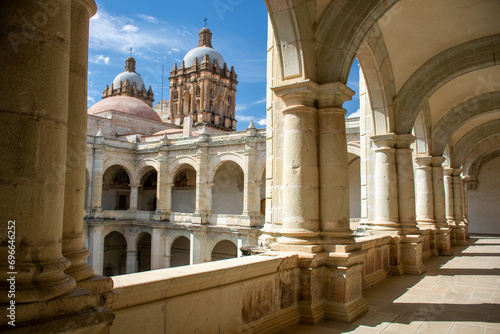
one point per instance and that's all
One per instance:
(79, 269)
(347, 312)
(443, 241)
(79, 312)
(461, 234)
(161, 215)
(406, 255)
(311, 314)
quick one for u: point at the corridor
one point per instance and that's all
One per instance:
(457, 294)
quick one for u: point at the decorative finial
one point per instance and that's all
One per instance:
(205, 22)
(251, 125)
(131, 51)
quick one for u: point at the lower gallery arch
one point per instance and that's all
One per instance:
(180, 252)
(227, 191)
(115, 189)
(184, 190)
(483, 216)
(224, 249)
(115, 254)
(147, 192)
(263, 194)
(144, 253)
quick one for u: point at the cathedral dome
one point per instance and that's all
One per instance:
(130, 75)
(124, 104)
(204, 48)
(200, 52)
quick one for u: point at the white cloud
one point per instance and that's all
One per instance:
(99, 59)
(243, 106)
(148, 18)
(262, 122)
(119, 33)
(129, 28)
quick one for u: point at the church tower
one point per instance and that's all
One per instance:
(203, 88)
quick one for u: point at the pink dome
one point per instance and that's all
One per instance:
(125, 104)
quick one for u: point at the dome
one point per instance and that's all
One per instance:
(132, 78)
(125, 104)
(200, 52)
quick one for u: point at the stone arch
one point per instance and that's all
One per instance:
(126, 165)
(476, 153)
(421, 130)
(459, 115)
(179, 162)
(354, 149)
(116, 182)
(224, 249)
(354, 172)
(354, 20)
(219, 160)
(144, 165)
(114, 254)
(436, 72)
(227, 189)
(374, 60)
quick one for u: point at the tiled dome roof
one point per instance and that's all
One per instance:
(125, 104)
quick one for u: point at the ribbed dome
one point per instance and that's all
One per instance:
(130, 75)
(132, 78)
(125, 104)
(200, 52)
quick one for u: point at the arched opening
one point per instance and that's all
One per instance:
(187, 103)
(184, 190)
(227, 191)
(144, 253)
(115, 254)
(354, 186)
(220, 108)
(147, 192)
(482, 214)
(115, 189)
(180, 252)
(224, 249)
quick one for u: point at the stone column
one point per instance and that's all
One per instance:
(201, 182)
(424, 195)
(443, 229)
(162, 191)
(131, 264)
(96, 246)
(250, 195)
(333, 165)
(158, 247)
(74, 195)
(33, 125)
(465, 191)
(460, 231)
(300, 166)
(198, 246)
(209, 199)
(97, 175)
(386, 185)
(134, 197)
(449, 204)
(406, 184)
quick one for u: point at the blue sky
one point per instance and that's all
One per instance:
(161, 32)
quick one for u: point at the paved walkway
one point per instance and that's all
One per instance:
(457, 294)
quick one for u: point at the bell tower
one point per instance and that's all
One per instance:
(203, 88)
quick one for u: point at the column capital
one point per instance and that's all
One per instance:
(89, 5)
(448, 171)
(333, 95)
(385, 141)
(457, 171)
(472, 184)
(404, 141)
(438, 161)
(297, 94)
(423, 161)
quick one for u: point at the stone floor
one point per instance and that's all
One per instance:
(457, 294)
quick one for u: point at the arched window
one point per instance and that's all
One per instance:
(224, 249)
